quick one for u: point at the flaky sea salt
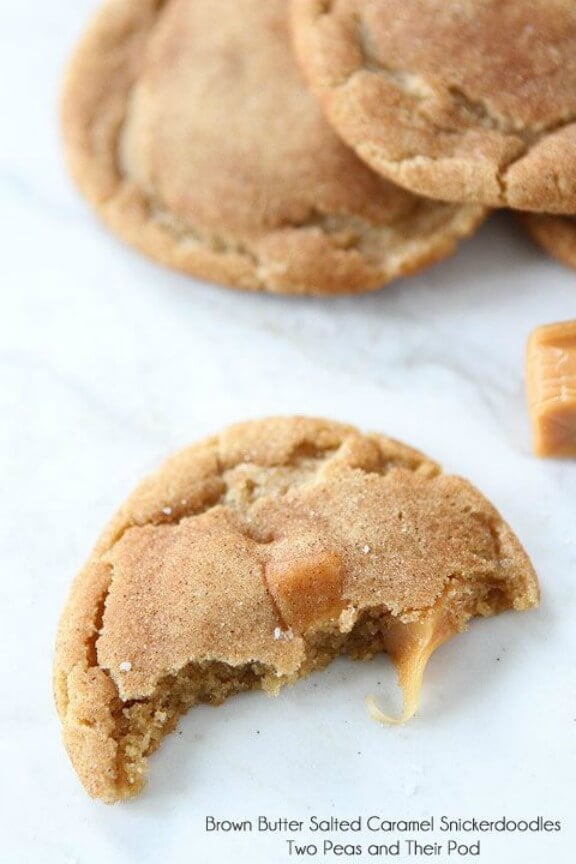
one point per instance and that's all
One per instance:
(366, 549)
(167, 511)
(125, 666)
(284, 635)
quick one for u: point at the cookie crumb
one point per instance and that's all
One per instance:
(347, 619)
(125, 666)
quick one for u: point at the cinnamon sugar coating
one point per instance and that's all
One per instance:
(462, 100)
(188, 127)
(257, 556)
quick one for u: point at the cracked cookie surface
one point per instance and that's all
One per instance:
(189, 129)
(462, 100)
(255, 557)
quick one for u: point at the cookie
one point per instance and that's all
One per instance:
(257, 556)
(187, 126)
(556, 234)
(462, 100)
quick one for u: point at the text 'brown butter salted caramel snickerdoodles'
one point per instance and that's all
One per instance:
(462, 100)
(257, 556)
(189, 129)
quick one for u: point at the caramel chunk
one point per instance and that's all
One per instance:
(551, 388)
(307, 591)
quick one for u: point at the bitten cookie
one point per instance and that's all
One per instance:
(556, 234)
(257, 556)
(187, 126)
(462, 100)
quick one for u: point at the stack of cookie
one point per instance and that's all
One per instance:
(367, 153)
(312, 147)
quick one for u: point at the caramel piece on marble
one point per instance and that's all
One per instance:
(551, 388)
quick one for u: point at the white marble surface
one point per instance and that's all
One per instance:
(108, 363)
